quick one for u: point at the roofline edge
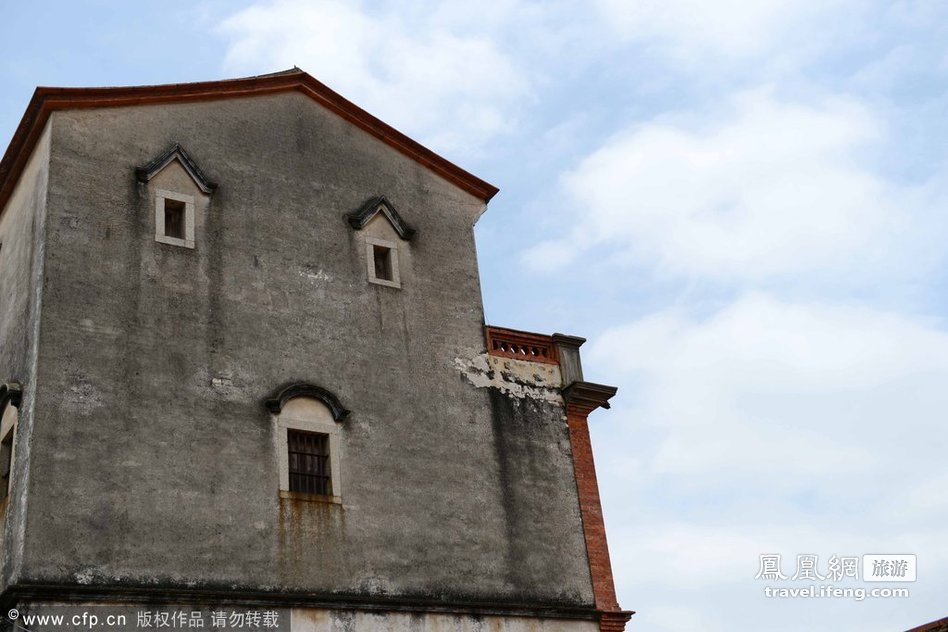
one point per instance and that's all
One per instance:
(47, 100)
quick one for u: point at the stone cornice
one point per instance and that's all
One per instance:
(585, 397)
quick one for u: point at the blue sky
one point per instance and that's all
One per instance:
(741, 205)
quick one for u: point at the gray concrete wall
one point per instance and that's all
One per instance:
(154, 463)
(21, 255)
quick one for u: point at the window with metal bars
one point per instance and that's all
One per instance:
(309, 462)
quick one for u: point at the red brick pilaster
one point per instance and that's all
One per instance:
(581, 399)
(614, 621)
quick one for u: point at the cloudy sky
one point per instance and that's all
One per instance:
(743, 205)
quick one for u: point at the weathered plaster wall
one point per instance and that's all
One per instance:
(517, 378)
(316, 620)
(21, 255)
(156, 466)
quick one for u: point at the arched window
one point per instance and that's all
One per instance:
(9, 403)
(308, 442)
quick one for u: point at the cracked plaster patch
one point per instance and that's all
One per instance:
(517, 378)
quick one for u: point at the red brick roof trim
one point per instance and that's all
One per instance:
(48, 100)
(935, 626)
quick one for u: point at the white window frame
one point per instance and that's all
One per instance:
(370, 243)
(8, 429)
(160, 196)
(285, 423)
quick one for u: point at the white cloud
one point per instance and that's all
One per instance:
(675, 617)
(693, 29)
(697, 555)
(761, 341)
(424, 74)
(706, 572)
(791, 392)
(768, 426)
(930, 494)
(771, 189)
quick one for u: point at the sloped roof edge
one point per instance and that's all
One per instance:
(47, 100)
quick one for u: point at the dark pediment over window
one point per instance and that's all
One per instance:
(176, 152)
(376, 205)
(276, 403)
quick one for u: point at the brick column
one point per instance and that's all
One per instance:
(581, 399)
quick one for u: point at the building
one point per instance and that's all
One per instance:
(245, 362)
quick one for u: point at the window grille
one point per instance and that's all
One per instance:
(309, 462)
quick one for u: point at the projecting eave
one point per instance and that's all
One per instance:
(45, 101)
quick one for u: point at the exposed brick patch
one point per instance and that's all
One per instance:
(520, 345)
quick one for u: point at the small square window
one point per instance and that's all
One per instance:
(382, 260)
(174, 219)
(309, 467)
